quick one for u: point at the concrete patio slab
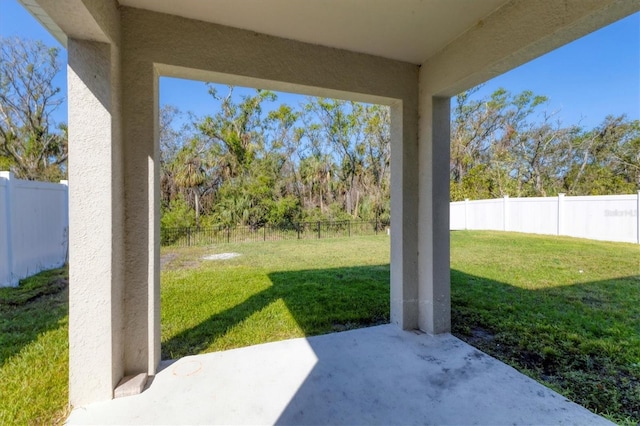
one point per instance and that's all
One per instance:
(378, 375)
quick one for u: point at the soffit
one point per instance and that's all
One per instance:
(405, 30)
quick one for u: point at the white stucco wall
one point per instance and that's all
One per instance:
(96, 307)
(33, 228)
(96, 198)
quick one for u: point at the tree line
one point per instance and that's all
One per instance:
(324, 160)
(252, 161)
(330, 159)
(510, 144)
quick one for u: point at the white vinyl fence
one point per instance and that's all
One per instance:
(33, 227)
(598, 217)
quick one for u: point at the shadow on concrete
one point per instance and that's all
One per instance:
(320, 300)
(387, 376)
(567, 337)
(372, 375)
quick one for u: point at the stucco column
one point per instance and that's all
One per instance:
(404, 215)
(95, 214)
(142, 207)
(434, 282)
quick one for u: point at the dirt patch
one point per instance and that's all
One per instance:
(174, 261)
(188, 264)
(478, 336)
(221, 256)
(24, 296)
(166, 259)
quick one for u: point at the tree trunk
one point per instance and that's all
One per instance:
(197, 202)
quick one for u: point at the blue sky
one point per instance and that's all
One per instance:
(585, 81)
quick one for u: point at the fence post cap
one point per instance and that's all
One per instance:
(6, 175)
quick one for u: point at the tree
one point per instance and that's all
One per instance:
(31, 144)
(376, 178)
(190, 172)
(284, 140)
(170, 144)
(605, 160)
(342, 125)
(237, 129)
(627, 153)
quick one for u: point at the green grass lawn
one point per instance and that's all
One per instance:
(273, 291)
(564, 311)
(34, 350)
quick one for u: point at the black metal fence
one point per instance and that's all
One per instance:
(240, 234)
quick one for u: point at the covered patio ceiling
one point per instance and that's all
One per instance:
(408, 31)
(458, 35)
(411, 33)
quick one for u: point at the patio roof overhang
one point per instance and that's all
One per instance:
(417, 31)
(411, 55)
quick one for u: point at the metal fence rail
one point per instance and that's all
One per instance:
(185, 237)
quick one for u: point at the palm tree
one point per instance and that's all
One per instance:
(190, 173)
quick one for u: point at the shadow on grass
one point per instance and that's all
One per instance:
(321, 301)
(581, 339)
(34, 307)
